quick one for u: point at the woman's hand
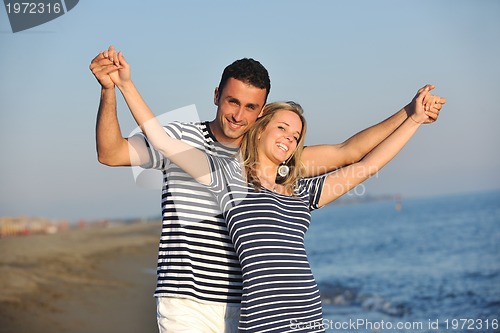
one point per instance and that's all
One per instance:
(425, 106)
(120, 73)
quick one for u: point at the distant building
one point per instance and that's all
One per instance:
(16, 226)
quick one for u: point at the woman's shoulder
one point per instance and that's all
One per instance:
(307, 183)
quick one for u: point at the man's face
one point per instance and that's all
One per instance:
(239, 106)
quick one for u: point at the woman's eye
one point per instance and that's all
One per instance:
(281, 128)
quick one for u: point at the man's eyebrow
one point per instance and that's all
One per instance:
(232, 98)
(235, 99)
(254, 105)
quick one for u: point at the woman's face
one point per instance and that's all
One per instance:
(278, 140)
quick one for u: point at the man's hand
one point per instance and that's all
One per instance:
(110, 68)
(101, 67)
(430, 105)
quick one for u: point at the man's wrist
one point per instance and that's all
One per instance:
(408, 110)
(108, 89)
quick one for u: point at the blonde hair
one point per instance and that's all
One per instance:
(248, 149)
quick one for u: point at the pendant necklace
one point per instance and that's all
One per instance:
(271, 187)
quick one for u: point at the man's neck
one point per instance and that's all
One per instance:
(221, 138)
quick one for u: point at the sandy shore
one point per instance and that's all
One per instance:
(93, 280)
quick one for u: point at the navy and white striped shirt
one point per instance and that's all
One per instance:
(196, 258)
(267, 230)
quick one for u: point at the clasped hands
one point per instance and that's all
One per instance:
(110, 68)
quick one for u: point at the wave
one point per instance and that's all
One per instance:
(338, 295)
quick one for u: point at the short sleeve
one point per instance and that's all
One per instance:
(156, 159)
(312, 188)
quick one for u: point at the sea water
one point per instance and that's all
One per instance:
(430, 265)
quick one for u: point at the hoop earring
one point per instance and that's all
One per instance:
(283, 170)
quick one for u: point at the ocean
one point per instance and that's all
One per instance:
(431, 266)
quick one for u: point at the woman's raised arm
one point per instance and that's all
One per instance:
(192, 160)
(341, 181)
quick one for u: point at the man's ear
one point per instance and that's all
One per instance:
(216, 96)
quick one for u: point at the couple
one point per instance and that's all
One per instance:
(200, 282)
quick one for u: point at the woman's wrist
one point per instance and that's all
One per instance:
(418, 122)
(126, 85)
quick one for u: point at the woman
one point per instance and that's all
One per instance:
(267, 222)
(268, 216)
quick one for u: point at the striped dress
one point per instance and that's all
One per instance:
(267, 230)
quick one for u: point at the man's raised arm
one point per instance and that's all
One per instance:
(112, 148)
(320, 159)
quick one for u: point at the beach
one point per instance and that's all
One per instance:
(91, 280)
(435, 259)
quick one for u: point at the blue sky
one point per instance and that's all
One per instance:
(349, 63)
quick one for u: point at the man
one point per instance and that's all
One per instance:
(199, 277)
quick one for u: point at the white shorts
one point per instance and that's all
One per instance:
(176, 315)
